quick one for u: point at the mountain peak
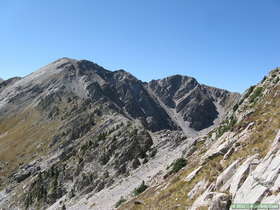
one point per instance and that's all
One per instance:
(179, 76)
(64, 59)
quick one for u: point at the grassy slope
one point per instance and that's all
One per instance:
(23, 137)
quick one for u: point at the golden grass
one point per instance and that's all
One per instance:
(22, 138)
(267, 123)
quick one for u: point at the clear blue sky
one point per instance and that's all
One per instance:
(229, 44)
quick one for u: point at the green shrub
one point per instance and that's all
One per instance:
(178, 164)
(120, 202)
(222, 130)
(101, 136)
(232, 122)
(256, 94)
(140, 189)
(227, 125)
(250, 90)
(235, 107)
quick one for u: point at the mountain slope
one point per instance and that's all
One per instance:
(237, 162)
(86, 80)
(194, 106)
(73, 130)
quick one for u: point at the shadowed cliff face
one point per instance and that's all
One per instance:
(199, 105)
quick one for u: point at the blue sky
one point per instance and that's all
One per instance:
(229, 44)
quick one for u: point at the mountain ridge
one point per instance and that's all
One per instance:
(71, 69)
(73, 128)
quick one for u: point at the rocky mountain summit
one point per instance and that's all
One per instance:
(74, 135)
(191, 105)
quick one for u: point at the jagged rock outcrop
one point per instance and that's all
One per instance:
(193, 105)
(262, 184)
(8, 82)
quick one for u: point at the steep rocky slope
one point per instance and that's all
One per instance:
(76, 135)
(237, 162)
(193, 106)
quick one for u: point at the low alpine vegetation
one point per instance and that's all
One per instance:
(120, 202)
(256, 94)
(140, 189)
(178, 164)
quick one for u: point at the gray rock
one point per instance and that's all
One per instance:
(135, 163)
(26, 171)
(241, 174)
(21, 176)
(260, 181)
(220, 201)
(193, 174)
(198, 188)
(221, 146)
(229, 153)
(226, 175)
